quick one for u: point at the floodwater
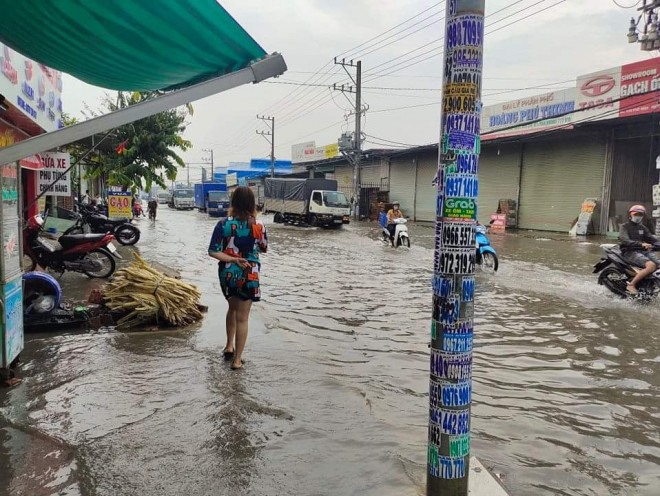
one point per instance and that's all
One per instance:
(333, 397)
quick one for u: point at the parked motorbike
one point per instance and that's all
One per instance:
(90, 220)
(401, 237)
(90, 254)
(616, 273)
(486, 254)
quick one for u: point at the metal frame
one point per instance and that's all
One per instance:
(270, 66)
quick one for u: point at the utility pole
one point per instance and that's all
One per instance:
(355, 155)
(452, 326)
(649, 38)
(188, 170)
(210, 152)
(270, 137)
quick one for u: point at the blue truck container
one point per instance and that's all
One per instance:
(202, 191)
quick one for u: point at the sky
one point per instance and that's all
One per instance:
(535, 48)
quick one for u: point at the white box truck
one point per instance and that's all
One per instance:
(313, 202)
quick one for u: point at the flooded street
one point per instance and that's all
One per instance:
(333, 399)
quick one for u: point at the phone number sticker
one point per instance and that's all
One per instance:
(458, 235)
(461, 186)
(446, 310)
(451, 366)
(451, 422)
(450, 394)
(458, 262)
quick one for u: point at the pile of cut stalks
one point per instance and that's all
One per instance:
(144, 296)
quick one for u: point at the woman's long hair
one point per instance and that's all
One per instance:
(243, 204)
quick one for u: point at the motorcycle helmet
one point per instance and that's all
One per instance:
(637, 209)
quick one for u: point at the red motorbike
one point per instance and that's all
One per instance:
(90, 254)
(138, 211)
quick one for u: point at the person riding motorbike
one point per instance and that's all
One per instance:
(152, 208)
(393, 214)
(637, 245)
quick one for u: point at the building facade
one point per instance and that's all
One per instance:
(547, 153)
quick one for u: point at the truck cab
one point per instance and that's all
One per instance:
(217, 204)
(329, 208)
(183, 199)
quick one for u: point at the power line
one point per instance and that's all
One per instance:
(379, 75)
(346, 53)
(626, 6)
(390, 141)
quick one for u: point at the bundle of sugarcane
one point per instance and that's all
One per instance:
(146, 295)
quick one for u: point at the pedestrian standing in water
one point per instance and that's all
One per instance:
(236, 244)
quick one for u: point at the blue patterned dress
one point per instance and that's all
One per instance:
(244, 239)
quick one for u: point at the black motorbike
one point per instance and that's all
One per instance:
(616, 273)
(90, 220)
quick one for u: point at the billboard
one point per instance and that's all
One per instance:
(33, 88)
(626, 91)
(636, 80)
(528, 115)
(598, 95)
(309, 152)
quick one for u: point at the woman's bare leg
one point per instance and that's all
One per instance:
(242, 318)
(231, 326)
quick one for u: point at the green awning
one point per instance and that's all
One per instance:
(133, 45)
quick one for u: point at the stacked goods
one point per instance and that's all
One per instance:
(146, 295)
(508, 208)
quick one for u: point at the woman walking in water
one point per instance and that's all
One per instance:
(236, 244)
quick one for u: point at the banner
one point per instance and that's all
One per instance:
(119, 205)
(54, 168)
(34, 89)
(309, 152)
(637, 79)
(541, 112)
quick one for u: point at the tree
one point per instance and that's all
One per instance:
(145, 150)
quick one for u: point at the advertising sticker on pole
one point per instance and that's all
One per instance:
(119, 205)
(12, 321)
(452, 319)
(54, 169)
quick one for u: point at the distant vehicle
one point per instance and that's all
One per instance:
(258, 191)
(202, 191)
(182, 199)
(163, 197)
(218, 204)
(313, 202)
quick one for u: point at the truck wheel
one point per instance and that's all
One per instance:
(314, 221)
(278, 219)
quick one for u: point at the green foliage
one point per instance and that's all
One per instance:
(148, 156)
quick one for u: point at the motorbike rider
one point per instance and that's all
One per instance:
(637, 245)
(152, 207)
(393, 214)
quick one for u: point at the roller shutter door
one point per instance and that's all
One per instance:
(499, 175)
(427, 194)
(402, 184)
(344, 178)
(556, 178)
